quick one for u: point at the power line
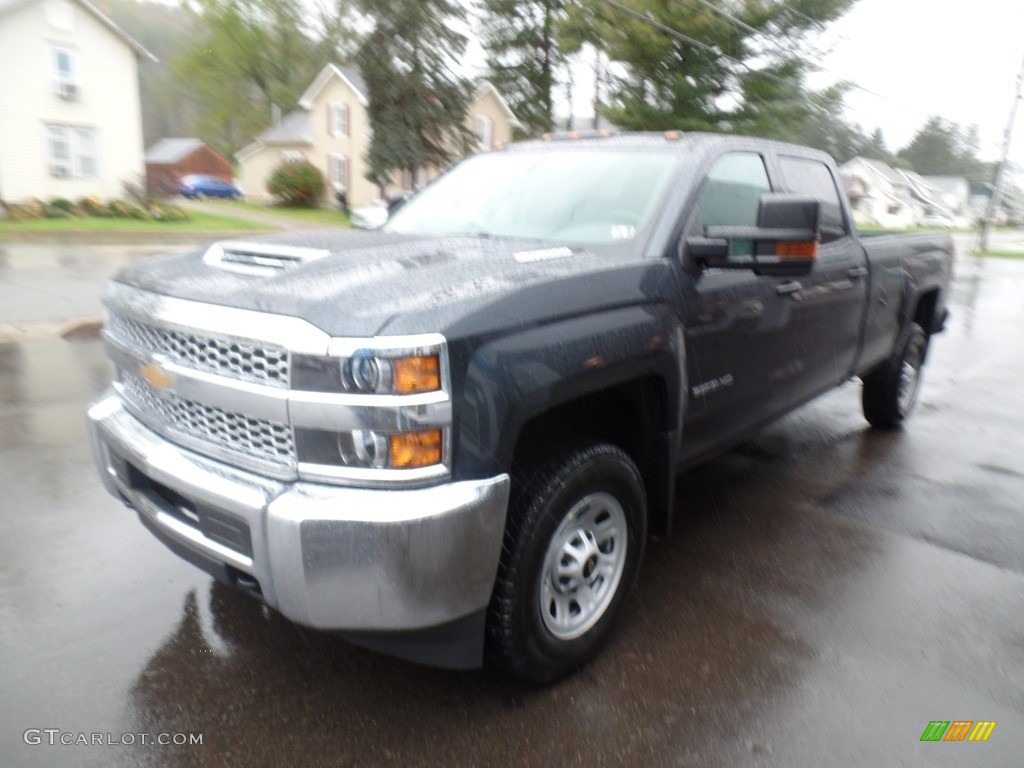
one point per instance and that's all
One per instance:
(730, 17)
(647, 19)
(735, 23)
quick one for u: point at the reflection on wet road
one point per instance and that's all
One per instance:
(827, 592)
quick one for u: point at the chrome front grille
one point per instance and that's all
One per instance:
(232, 432)
(236, 358)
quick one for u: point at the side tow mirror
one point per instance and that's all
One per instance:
(784, 242)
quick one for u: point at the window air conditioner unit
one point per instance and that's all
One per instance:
(67, 91)
(60, 171)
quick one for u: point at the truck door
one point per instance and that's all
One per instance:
(736, 323)
(828, 305)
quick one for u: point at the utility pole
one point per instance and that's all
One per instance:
(997, 185)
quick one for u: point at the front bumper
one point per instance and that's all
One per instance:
(324, 556)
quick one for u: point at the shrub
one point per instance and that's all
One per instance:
(139, 212)
(63, 204)
(119, 208)
(53, 211)
(174, 213)
(135, 190)
(93, 206)
(32, 209)
(297, 184)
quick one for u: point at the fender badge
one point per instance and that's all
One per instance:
(156, 376)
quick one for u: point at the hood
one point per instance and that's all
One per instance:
(377, 283)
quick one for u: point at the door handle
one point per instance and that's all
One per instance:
(856, 272)
(790, 288)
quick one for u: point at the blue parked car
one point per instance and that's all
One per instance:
(198, 185)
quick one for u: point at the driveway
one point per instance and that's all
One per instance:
(270, 220)
(827, 592)
(46, 287)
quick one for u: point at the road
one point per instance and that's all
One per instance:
(53, 282)
(827, 592)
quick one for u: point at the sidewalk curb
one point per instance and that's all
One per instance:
(77, 328)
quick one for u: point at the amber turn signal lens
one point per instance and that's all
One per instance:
(417, 374)
(415, 449)
(791, 250)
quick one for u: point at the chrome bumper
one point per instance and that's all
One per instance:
(324, 556)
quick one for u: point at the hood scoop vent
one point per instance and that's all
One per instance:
(264, 259)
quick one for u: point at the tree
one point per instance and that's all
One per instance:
(522, 39)
(815, 119)
(255, 54)
(943, 148)
(417, 104)
(707, 64)
(874, 148)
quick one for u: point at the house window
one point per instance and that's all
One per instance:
(338, 172)
(484, 133)
(85, 153)
(64, 65)
(292, 156)
(414, 180)
(72, 152)
(337, 120)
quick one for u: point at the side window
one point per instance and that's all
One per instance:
(731, 195)
(812, 178)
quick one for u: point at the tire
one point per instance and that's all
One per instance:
(573, 545)
(890, 391)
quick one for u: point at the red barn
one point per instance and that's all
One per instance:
(170, 159)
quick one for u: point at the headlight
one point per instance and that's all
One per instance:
(368, 374)
(363, 448)
(373, 410)
(369, 449)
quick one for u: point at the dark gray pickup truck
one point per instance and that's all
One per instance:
(449, 439)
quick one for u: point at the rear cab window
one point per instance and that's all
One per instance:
(814, 178)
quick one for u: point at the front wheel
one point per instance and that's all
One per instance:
(573, 545)
(890, 392)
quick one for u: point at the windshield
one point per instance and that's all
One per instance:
(574, 196)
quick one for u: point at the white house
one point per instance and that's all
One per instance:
(331, 130)
(70, 121)
(955, 193)
(880, 195)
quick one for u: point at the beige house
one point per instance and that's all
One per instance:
(331, 130)
(70, 121)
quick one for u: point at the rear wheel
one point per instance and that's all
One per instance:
(573, 545)
(890, 392)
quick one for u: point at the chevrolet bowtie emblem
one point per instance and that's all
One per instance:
(157, 377)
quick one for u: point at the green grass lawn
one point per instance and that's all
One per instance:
(200, 221)
(309, 215)
(998, 254)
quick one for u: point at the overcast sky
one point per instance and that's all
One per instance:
(931, 57)
(917, 58)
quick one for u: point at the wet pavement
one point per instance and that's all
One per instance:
(54, 282)
(827, 592)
